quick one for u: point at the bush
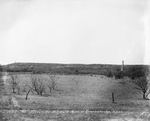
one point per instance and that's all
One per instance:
(135, 72)
(109, 74)
(142, 84)
(118, 75)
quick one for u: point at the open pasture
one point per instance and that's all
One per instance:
(78, 93)
(81, 92)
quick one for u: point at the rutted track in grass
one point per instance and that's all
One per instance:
(72, 115)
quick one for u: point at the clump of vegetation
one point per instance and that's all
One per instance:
(51, 83)
(136, 71)
(37, 85)
(14, 84)
(109, 74)
(41, 85)
(143, 84)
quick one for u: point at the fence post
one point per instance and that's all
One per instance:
(113, 99)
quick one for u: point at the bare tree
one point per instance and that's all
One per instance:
(18, 88)
(27, 88)
(51, 83)
(24, 88)
(14, 82)
(142, 84)
(37, 85)
(27, 94)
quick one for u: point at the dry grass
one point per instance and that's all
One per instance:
(73, 116)
(82, 92)
(85, 93)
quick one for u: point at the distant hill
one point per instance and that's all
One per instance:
(109, 70)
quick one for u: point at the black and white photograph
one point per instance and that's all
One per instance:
(74, 60)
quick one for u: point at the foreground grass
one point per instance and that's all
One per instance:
(57, 102)
(34, 109)
(37, 108)
(76, 116)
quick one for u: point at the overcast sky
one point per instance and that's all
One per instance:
(74, 31)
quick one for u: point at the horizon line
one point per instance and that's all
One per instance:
(74, 63)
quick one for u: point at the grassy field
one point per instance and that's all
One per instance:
(82, 92)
